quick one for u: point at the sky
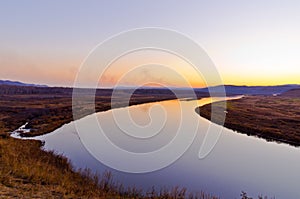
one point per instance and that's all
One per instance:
(251, 42)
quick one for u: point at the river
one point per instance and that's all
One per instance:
(236, 163)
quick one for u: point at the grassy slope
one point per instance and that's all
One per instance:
(27, 171)
(273, 118)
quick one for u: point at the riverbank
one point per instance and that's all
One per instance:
(274, 118)
(46, 109)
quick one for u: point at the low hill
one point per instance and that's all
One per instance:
(292, 93)
(17, 83)
(252, 90)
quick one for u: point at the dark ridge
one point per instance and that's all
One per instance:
(252, 90)
(292, 93)
(17, 83)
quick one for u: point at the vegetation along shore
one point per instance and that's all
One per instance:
(274, 118)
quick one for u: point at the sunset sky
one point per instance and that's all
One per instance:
(251, 42)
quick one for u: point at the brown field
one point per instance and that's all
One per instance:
(274, 118)
(46, 109)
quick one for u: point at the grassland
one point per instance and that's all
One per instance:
(274, 118)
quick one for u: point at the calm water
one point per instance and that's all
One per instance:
(237, 163)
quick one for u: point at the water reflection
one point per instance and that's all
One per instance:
(237, 162)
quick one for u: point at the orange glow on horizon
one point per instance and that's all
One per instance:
(151, 68)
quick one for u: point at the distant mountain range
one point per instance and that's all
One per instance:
(230, 89)
(16, 83)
